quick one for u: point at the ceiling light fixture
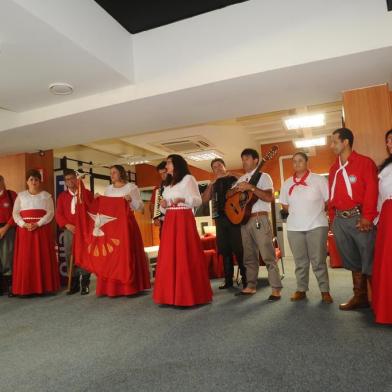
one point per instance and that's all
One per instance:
(60, 88)
(204, 155)
(301, 122)
(306, 143)
(133, 163)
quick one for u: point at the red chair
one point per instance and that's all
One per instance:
(214, 261)
(334, 257)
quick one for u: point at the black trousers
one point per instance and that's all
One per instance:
(229, 243)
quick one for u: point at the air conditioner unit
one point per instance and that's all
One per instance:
(183, 145)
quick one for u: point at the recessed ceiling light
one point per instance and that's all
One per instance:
(306, 143)
(204, 155)
(60, 88)
(301, 122)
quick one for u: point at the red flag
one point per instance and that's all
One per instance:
(102, 238)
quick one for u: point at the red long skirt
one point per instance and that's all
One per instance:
(141, 277)
(182, 272)
(382, 267)
(35, 265)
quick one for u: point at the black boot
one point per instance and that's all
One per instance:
(85, 285)
(8, 283)
(75, 285)
(1, 285)
(229, 271)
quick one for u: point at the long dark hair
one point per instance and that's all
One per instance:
(389, 159)
(121, 170)
(180, 170)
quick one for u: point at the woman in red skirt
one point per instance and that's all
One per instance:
(182, 274)
(35, 265)
(382, 266)
(120, 187)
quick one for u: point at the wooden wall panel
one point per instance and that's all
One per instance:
(13, 169)
(368, 113)
(147, 176)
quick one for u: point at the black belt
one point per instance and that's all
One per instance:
(348, 213)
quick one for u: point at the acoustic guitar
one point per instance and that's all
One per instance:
(238, 206)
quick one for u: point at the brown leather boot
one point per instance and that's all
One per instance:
(326, 297)
(298, 296)
(360, 299)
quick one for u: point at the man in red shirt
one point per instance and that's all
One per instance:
(158, 221)
(66, 219)
(353, 182)
(7, 236)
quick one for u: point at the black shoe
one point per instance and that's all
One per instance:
(225, 286)
(75, 286)
(85, 285)
(8, 282)
(274, 298)
(85, 290)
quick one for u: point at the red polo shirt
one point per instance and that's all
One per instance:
(64, 215)
(6, 206)
(363, 176)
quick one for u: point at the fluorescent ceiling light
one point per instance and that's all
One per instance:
(204, 155)
(135, 162)
(300, 122)
(305, 143)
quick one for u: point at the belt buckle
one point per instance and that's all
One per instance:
(345, 214)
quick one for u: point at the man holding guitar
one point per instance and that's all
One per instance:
(256, 228)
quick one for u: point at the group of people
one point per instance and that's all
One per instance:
(355, 204)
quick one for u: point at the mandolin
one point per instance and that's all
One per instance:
(238, 206)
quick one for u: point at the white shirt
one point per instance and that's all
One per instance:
(26, 201)
(128, 189)
(306, 203)
(186, 189)
(264, 183)
(384, 187)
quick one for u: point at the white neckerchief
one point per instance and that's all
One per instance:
(73, 202)
(342, 168)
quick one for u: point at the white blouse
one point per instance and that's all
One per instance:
(306, 203)
(384, 186)
(26, 201)
(186, 189)
(129, 189)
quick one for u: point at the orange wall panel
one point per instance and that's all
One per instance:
(147, 175)
(368, 113)
(13, 169)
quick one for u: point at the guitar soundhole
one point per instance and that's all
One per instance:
(235, 209)
(243, 199)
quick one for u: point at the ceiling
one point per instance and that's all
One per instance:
(228, 137)
(141, 15)
(225, 78)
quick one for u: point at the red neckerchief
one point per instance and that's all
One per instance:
(300, 181)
